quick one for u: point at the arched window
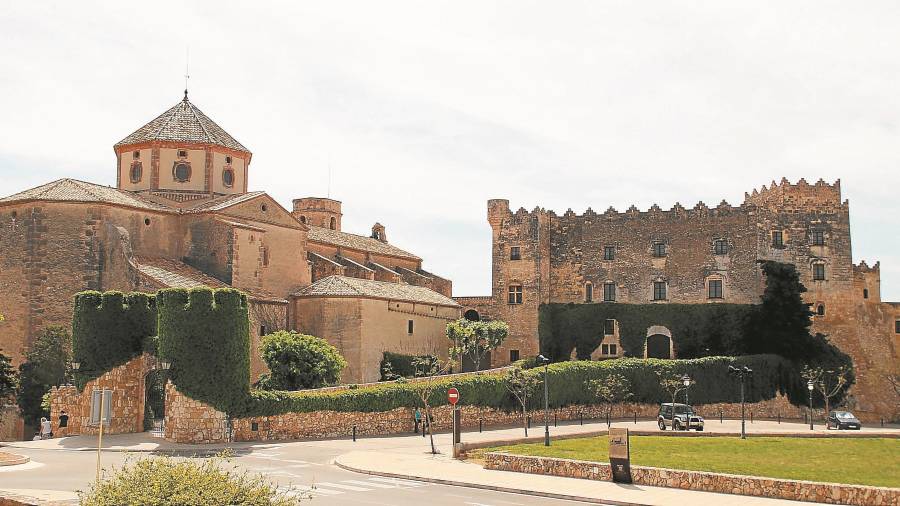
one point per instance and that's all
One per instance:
(228, 177)
(588, 292)
(472, 315)
(820, 310)
(332, 223)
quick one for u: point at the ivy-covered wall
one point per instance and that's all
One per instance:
(205, 334)
(109, 329)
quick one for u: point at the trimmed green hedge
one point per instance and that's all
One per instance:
(400, 364)
(772, 375)
(109, 329)
(205, 334)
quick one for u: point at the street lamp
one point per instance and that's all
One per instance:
(741, 373)
(687, 415)
(546, 361)
(810, 386)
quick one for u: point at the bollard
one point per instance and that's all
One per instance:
(779, 417)
(720, 416)
(635, 416)
(581, 417)
(882, 421)
(354, 433)
(528, 421)
(479, 424)
(751, 417)
(555, 421)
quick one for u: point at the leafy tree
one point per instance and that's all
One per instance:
(298, 361)
(521, 386)
(829, 382)
(9, 378)
(46, 365)
(672, 385)
(476, 339)
(609, 390)
(429, 370)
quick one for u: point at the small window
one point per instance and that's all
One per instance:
(897, 326)
(264, 208)
(228, 160)
(182, 153)
(715, 289)
(332, 223)
(513, 355)
(609, 252)
(777, 239)
(659, 290)
(228, 177)
(604, 349)
(515, 294)
(588, 292)
(721, 246)
(303, 220)
(147, 221)
(820, 310)
(265, 257)
(609, 292)
(254, 426)
(818, 272)
(409, 326)
(612, 349)
(136, 155)
(659, 249)
(865, 293)
(181, 172)
(515, 253)
(609, 327)
(818, 238)
(262, 330)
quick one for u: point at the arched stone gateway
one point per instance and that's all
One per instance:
(472, 315)
(155, 401)
(658, 343)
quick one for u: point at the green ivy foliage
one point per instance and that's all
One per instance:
(772, 375)
(205, 334)
(109, 329)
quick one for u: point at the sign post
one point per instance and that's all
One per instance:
(453, 398)
(619, 455)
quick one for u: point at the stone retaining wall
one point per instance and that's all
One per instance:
(829, 493)
(191, 421)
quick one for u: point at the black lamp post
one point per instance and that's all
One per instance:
(687, 415)
(742, 373)
(810, 386)
(546, 361)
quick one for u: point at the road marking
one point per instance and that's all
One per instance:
(368, 484)
(398, 481)
(352, 488)
(303, 489)
(263, 454)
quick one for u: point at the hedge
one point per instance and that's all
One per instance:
(772, 375)
(205, 334)
(399, 364)
(109, 329)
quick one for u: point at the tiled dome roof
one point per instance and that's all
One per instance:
(184, 122)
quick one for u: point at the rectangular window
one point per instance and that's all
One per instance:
(612, 349)
(865, 293)
(409, 327)
(513, 356)
(609, 327)
(897, 326)
(818, 272)
(818, 238)
(515, 253)
(95, 406)
(137, 155)
(604, 349)
(659, 290)
(588, 292)
(777, 239)
(659, 249)
(515, 294)
(715, 289)
(182, 153)
(227, 159)
(262, 330)
(609, 292)
(265, 257)
(609, 252)
(721, 247)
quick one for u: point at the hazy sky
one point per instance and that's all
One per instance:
(424, 110)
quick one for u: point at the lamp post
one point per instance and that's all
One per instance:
(687, 415)
(810, 386)
(741, 373)
(546, 361)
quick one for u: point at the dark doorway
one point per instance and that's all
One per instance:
(659, 346)
(472, 315)
(155, 401)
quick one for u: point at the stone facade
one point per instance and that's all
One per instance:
(12, 426)
(191, 421)
(827, 493)
(541, 257)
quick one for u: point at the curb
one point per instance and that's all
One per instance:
(22, 459)
(164, 451)
(494, 488)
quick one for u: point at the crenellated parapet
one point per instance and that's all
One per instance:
(800, 196)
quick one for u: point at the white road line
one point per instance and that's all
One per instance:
(303, 489)
(263, 454)
(398, 481)
(368, 484)
(344, 487)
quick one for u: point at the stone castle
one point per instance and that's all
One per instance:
(181, 216)
(701, 255)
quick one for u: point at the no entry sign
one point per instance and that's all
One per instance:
(453, 396)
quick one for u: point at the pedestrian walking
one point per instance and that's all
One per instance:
(63, 424)
(418, 417)
(46, 428)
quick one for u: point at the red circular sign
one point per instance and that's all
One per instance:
(453, 396)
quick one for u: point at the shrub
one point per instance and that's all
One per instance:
(398, 365)
(298, 361)
(165, 480)
(46, 365)
(205, 334)
(9, 379)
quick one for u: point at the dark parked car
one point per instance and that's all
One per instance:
(677, 415)
(842, 420)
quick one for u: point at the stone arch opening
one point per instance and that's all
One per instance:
(472, 315)
(658, 343)
(155, 401)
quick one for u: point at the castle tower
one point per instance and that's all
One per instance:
(318, 212)
(182, 155)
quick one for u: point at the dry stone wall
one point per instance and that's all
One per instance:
(191, 421)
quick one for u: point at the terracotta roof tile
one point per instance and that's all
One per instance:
(358, 242)
(183, 122)
(343, 286)
(73, 190)
(175, 274)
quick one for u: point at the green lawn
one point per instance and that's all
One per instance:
(867, 461)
